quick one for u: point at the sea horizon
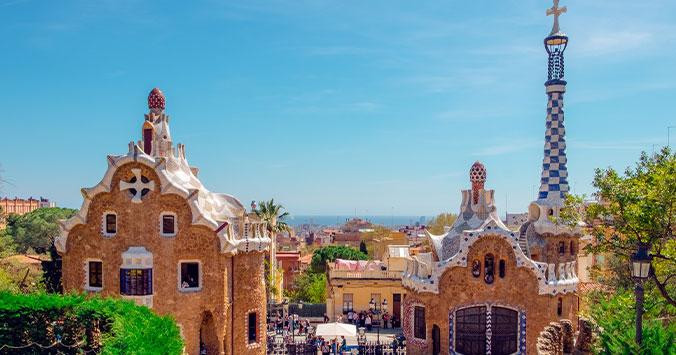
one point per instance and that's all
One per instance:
(336, 220)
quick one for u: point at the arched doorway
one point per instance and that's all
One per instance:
(478, 326)
(208, 338)
(436, 340)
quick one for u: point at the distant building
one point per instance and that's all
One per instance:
(22, 206)
(289, 262)
(353, 284)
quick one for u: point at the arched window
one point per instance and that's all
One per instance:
(488, 268)
(572, 247)
(476, 268)
(501, 269)
(562, 248)
(559, 307)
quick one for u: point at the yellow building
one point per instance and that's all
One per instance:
(353, 284)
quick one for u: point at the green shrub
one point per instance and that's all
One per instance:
(79, 324)
(615, 317)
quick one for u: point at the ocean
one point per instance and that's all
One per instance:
(388, 221)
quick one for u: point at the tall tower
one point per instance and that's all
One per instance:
(554, 178)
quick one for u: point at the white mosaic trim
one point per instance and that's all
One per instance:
(206, 207)
(546, 283)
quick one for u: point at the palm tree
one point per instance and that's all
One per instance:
(273, 216)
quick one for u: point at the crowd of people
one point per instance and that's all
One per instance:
(366, 319)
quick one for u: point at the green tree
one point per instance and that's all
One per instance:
(272, 214)
(36, 230)
(614, 315)
(436, 225)
(632, 209)
(331, 253)
(309, 287)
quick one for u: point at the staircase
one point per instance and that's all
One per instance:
(523, 243)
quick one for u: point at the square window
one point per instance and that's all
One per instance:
(168, 224)
(190, 275)
(252, 327)
(95, 274)
(111, 223)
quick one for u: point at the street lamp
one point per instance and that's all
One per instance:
(640, 269)
(372, 304)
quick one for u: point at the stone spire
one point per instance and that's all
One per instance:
(554, 178)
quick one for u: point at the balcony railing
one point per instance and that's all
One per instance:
(369, 274)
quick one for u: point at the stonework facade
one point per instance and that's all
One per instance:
(150, 232)
(489, 289)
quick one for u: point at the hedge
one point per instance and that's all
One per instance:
(76, 324)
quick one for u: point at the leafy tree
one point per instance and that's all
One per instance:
(331, 253)
(437, 224)
(634, 208)
(614, 315)
(36, 230)
(309, 287)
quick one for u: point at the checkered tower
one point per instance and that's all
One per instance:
(554, 178)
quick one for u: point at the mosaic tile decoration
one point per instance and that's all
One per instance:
(554, 179)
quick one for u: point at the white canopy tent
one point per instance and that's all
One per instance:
(336, 330)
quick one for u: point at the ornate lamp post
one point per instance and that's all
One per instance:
(640, 270)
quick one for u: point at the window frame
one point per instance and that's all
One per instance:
(417, 322)
(251, 327)
(562, 247)
(104, 224)
(489, 268)
(88, 285)
(172, 214)
(502, 268)
(350, 306)
(199, 276)
(559, 307)
(149, 291)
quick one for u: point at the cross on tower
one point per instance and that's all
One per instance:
(137, 186)
(556, 11)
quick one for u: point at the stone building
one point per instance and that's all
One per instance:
(486, 289)
(151, 232)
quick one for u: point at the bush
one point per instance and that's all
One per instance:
(615, 317)
(79, 324)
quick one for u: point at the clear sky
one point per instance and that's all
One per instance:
(331, 106)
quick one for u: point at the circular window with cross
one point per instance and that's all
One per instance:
(138, 186)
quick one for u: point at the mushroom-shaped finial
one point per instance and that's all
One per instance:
(477, 175)
(156, 100)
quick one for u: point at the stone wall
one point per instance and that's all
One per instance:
(518, 290)
(139, 225)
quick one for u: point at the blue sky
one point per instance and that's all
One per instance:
(331, 106)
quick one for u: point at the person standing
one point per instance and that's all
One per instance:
(367, 321)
